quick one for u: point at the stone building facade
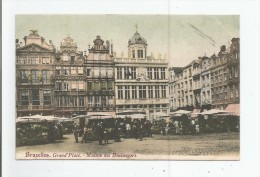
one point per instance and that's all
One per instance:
(34, 75)
(141, 81)
(99, 67)
(69, 76)
(215, 81)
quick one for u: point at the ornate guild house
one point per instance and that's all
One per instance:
(141, 81)
(34, 75)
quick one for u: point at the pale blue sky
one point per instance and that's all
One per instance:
(182, 38)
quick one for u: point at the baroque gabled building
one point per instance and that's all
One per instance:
(34, 75)
(141, 81)
(99, 66)
(69, 76)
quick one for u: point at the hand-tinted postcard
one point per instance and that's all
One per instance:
(135, 87)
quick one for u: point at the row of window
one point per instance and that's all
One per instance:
(131, 72)
(92, 101)
(81, 85)
(34, 60)
(35, 76)
(35, 97)
(142, 91)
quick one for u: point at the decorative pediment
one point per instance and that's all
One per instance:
(34, 48)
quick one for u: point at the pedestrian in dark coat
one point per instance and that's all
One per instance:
(76, 133)
(140, 131)
(100, 132)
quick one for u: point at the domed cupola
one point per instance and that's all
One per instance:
(137, 47)
(137, 39)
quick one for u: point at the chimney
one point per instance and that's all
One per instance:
(108, 45)
(112, 53)
(25, 40)
(42, 39)
(223, 48)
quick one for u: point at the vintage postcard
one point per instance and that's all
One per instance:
(128, 87)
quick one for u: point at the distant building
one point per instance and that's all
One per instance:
(215, 81)
(141, 81)
(69, 79)
(34, 75)
(225, 80)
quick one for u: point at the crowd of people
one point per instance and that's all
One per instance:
(127, 129)
(103, 131)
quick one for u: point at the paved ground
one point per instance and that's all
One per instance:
(214, 144)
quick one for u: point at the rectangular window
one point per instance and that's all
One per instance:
(58, 70)
(156, 73)
(90, 101)
(103, 72)
(127, 92)
(140, 53)
(231, 93)
(80, 70)
(58, 85)
(237, 92)
(66, 101)
(150, 91)
(45, 60)
(72, 59)
(230, 73)
(133, 72)
(35, 97)
(162, 73)
(120, 92)
(96, 86)
(81, 101)
(23, 76)
(236, 73)
(81, 85)
(119, 72)
(58, 101)
(35, 76)
(110, 85)
(134, 92)
(127, 72)
(66, 71)
(133, 53)
(89, 71)
(150, 73)
(45, 76)
(24, 97)
(74, 101)
(157, 91)
(34, 60)
(89, 85)
(73, 70)
(73, 85)
(97, 101)
(103, 85)
(163, 91)
(46, 97)
(66, 86)
(110, 101)
(142, 92)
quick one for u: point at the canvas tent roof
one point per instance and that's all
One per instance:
(234, 108)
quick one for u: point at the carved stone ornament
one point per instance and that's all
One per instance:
(142, 74)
